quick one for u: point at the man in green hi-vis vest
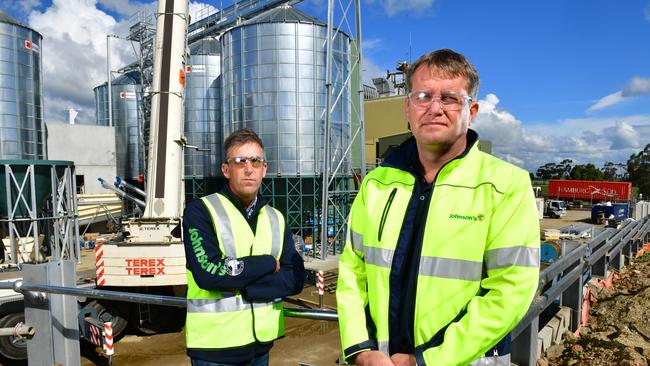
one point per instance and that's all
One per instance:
(241, 262)
(442, 252)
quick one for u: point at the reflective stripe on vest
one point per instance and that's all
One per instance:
(513, 256)
(225, 228)
(226, 304)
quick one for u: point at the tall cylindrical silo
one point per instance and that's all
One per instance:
(274, 83)
(22, 134)
(203, 109)
(127, 119)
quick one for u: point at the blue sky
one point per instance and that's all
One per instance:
(559, 79)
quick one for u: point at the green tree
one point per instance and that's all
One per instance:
(614, 171)
(586, 172)
(638, 170)
(555, 170)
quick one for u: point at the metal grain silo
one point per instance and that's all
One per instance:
(274, 83)
(21, 115)
(203, 109)
(127, 119)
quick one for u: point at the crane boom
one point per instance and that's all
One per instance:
(164, 192)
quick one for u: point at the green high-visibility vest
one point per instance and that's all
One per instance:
(478, 267)
(217, 320)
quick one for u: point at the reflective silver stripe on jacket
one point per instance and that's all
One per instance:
(492, 361)
(356, 239)
(276, 236)
(235, 303)
(458, 269)
(225, 229)
(383, 347)
(378, 256)
(429, 266)
(514, 256)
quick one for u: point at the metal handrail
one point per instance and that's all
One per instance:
(180, 302)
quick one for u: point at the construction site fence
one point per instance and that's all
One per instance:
(562, 283)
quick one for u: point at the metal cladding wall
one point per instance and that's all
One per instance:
(22, 133)
(274, 69)
(127, 119)
(203, 109)
(589, 190)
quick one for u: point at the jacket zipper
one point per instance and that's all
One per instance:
(384, 214)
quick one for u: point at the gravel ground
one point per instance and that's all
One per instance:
(619, 327)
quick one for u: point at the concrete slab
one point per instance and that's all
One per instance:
(552, 332)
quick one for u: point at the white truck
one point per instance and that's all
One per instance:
(555, 208)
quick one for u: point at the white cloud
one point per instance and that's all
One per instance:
(370, 70)
(394, 7)
(588, 140)
(127, 8)
(637, 86)
(623, 136)
(74, 50)
(606, 101)
(372, 43)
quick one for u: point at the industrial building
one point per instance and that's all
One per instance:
(93, 157)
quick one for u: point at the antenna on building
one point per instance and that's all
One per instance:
(410, 48)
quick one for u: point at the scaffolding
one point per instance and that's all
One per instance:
(339, 187)
(41, 211)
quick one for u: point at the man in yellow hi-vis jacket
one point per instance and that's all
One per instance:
(241, 262)
(442, 254)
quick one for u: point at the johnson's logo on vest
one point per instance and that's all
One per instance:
(197, 246)
(477, 218)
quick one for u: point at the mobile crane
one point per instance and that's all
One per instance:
(147, 255)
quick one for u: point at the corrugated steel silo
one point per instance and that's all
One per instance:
(203, 109)
(127, 119)
(22, 133)
(274, 83)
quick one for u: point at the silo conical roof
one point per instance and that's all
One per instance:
(5, 18)
(284, 14)
(205, 46)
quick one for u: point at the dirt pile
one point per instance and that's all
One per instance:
(619, 324)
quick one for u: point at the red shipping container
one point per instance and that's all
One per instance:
(589, 190)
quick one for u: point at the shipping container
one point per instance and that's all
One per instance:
(589, 190)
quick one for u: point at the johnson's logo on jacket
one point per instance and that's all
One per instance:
(208, 266)
(477, 218)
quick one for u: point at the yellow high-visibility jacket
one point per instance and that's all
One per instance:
(479, 261)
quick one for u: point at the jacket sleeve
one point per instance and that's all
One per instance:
(351, 288)
(206, 261)
(288, 281)
(511, 260)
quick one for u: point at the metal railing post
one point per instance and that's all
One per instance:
(54, 316)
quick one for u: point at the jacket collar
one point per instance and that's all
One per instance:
(259, 203)
(405, 156)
